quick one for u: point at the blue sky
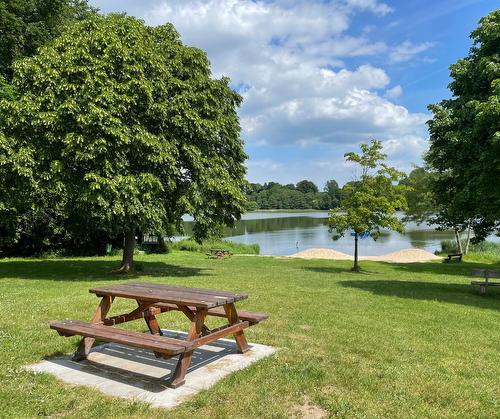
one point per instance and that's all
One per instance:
(320, 77)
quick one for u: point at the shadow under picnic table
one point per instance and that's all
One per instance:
(139, 367)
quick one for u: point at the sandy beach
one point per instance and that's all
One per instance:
(400, 256)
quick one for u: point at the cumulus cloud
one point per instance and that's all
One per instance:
(394, 92)
(288, 60)
(407, 50)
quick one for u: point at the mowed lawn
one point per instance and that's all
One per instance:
(398, 340)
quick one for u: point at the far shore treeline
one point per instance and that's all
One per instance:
(303, 195)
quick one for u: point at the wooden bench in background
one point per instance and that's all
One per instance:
(486, 274)
(454, 256)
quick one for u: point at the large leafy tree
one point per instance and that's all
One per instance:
(124, 125)
(371, 202)
(26, 25)
(465, 137)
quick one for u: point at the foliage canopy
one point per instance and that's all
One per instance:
(26, 25)
(123, 124)
(465, 136)
(370, 203)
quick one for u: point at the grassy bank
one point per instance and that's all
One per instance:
(480, 252)
(191, 245)
(398, 340)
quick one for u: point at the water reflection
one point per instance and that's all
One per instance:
(285, 233)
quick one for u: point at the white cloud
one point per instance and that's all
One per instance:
(407, 50)
(291, 57)
(371, 5)
(394, 92)
(403, 152)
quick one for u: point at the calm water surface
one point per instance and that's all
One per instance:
(285, 233)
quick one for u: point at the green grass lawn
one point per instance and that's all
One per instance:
(398, 340)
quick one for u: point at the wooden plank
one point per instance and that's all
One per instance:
(138, 313)
(190, 314)
(86, 343)
(220, 332)
(156, 295)
(174, 295)
(239, 336)
(208, 291)
(251, 317)
(153, 326)
(185, 358)
(146, 289)
(168, 346)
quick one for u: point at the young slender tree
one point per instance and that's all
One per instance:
(369, 203)
(128, 126)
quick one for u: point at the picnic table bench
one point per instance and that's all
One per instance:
(454, 256)
(153, 299)
(486, 274)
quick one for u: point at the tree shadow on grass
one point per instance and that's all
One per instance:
(436, 268)
(439, 268)
(464, 294)
(91, 270)
(336, 270)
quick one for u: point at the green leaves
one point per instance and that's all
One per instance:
(129, 120)
(465, 152)
(370, 203)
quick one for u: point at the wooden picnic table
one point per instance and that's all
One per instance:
(153, 299)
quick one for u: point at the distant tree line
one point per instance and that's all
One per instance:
(303, 195)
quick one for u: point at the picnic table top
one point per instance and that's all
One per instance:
(164, 293)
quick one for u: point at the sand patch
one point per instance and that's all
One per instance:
(400, 256)
(309, 411)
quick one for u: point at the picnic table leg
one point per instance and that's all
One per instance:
(195, 331)
(153, 326)
(190, 315)
(149, 316)
(232, 317)
(99, 315)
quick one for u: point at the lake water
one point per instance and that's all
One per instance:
(284, 233)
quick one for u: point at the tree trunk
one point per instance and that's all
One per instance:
(467, 241)
(459, 242)
(128, 252)
(162, 246)
(355, 268)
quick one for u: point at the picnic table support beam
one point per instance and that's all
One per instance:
(99, 315)
(195, 331)
(135, 314)
(153, 326)
(190, 314)
(239, 336)
(152, 323)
